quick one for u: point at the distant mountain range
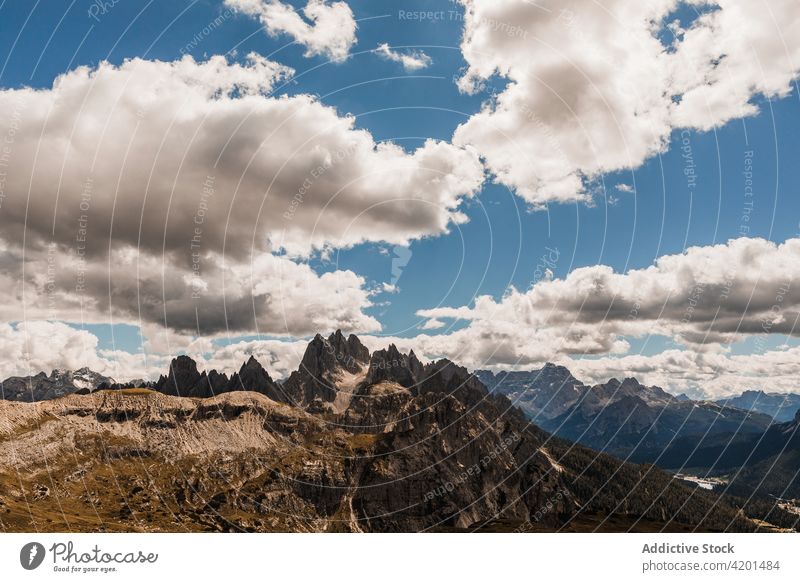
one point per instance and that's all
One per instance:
(58, 383)
(781, 407)
(623, 418)
(351, 441)
(735, 440)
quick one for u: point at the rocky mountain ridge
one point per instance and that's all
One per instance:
(623, 418)
(352, 442)
(781, 407)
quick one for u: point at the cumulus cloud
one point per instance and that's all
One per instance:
(712, 375)
(741, 49)
(182, 193)
(412, 61)
(42, 346)
(270, 294)
(431, 324)
(35, 346)
(703, 298)
(592, 88)
(202, 142)
(328, 28)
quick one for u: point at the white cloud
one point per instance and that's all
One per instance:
(412, 61)
(144, 182)
(703, 298)
(204, 143)
(279, 358)
(270, 295)
(739, 50)
(715, 374)
(328, 28)
(42, 346)
(592, 89)
(431, 324)
(388, 288)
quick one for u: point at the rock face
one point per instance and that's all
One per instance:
(185, 380)
(391, 366)
(252, 377)
(325, 364)
(59, 383)
(543, 394)
(350, 353)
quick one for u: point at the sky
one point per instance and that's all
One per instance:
(607, 185)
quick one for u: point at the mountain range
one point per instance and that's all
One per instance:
(59, 383)
(744, 446)
(781, 407)
(623, 418)
(351, 441)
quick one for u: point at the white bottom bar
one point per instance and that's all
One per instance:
(402, 557)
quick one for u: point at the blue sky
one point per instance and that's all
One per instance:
(504, 242)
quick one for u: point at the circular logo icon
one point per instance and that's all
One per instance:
(31, 555)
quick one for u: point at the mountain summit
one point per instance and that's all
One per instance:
(329, 368)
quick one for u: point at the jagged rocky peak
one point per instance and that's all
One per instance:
(81, 378)
(325, 363)
(615, 390)
(183, 377)
(253, 364)
(557, 369)
(351, 353)
(445, 376)
(217, 381)
(535, 382)
(183, 367)
(445, 369)
(390, 365)
(754, 393)
(445, 379)
(183, 364)
(335, 353)
(632, 387)
(252, 377)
